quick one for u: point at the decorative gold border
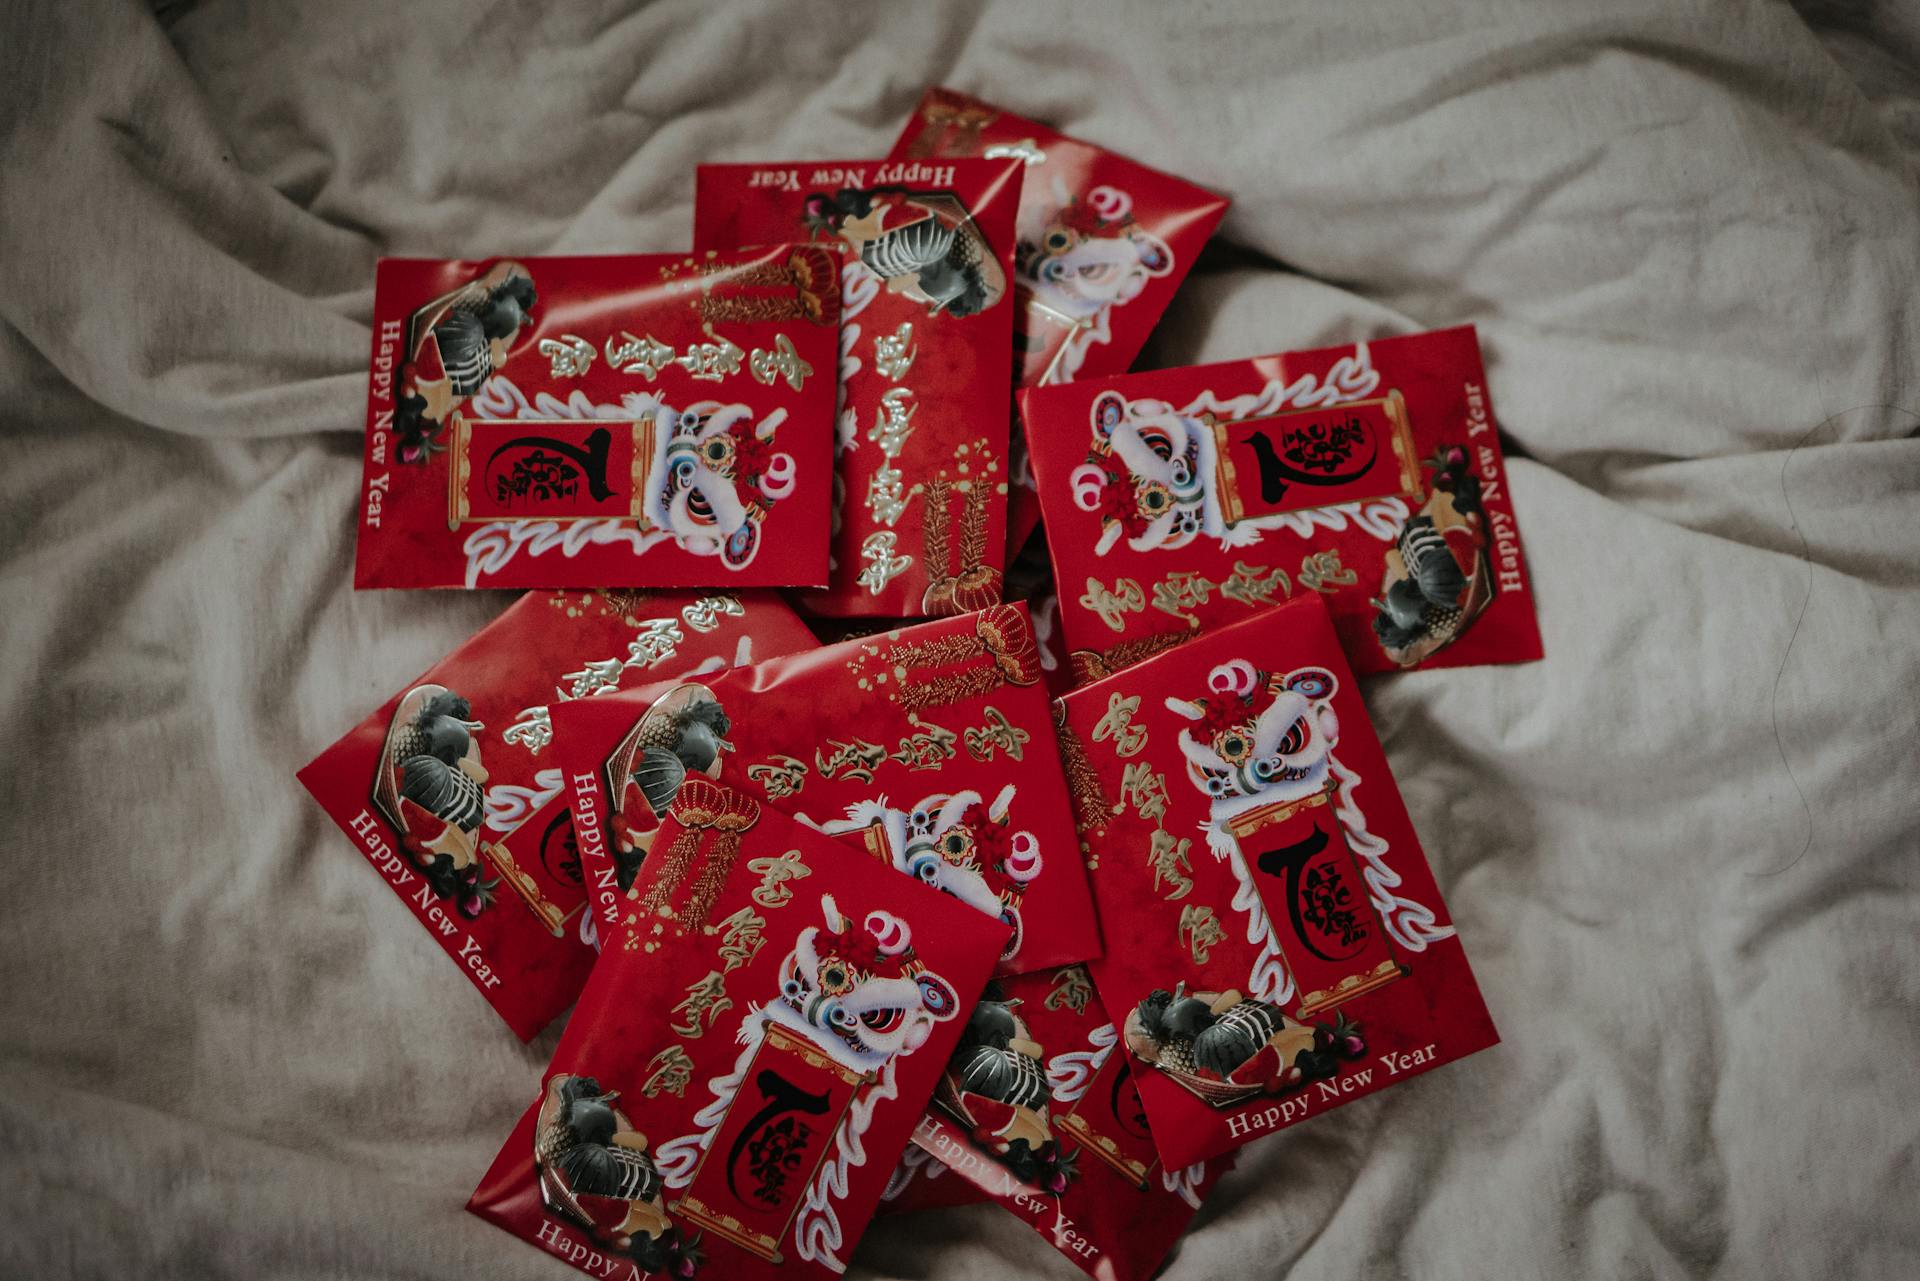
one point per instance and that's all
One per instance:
(1105, 1148)
(1245, 825)
(1099, 1144)
(726, 1226)
(1399, 439)
(875, 835)
(461, 472)
(1354, 985)
(528, 889)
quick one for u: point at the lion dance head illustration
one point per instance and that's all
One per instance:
(1258, 738)
(957, 843)
(1089, 255)
(715, 477)
(857, 991)
(1150, 476)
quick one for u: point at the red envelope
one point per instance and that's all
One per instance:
(1030, 580)
(1369, 474)
(1038, 1109)
(1287, 950)
(747, 1062)
(920, 1182)
(634, 421)
(929, 748)
(1104, 243)
(483, 853)
(926, 340)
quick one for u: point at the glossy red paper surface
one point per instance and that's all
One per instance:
(922, 442)
(1296, 885)
(755, 1133)
(528, 953)
(1372, 450)
(929, 747)
(1104, 244)
(920, 1182)
(644, 421)
(1102, 1198)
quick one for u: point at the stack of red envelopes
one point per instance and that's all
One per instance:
(856, 915)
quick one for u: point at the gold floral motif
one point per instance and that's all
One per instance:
(741, 937)
(669, 1071)
(1145, 790)
(532, 729)
(887, 494)
(1322, 571)
(1128, 739)
(948, 688)
(1113, 604)
(893, 353)
(1072, 989)
(644, 356)
(941, 651)
(568, 356)
(1255, 585)
(705, 614)
(1200, 931)
(706, 999)
(1090, 665)
(594, 677)
(1178, 594)
(929, 747)
(779, 776)
(855, 759)
(656, 642)
(998, 734)
(882, 565)
(782, 362)
(1083, 781)
(711, 361)
(1168, 859)
(774, 873)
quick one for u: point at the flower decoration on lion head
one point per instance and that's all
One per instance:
(1258, 738)
(1150, 476)
(1090, 256)
(716, 476)
(858, 992)
(958, 844)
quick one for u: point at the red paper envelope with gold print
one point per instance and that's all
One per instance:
(748, 1060)
(1286, 947)
(1370, 474)
(929, 748)
(1104, 243)
(453, 791)
(1038, 1109)
(926, 341)
(920, 1182)
(627, 421)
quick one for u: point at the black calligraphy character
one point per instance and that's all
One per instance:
(774, 1156)
(779, 1098)
(1327, 905)
(1314, 455)
(546, 468)
(558, 850)
(1316, 898)
(1126, 1105)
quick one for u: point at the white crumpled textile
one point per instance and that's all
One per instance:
(1683, 851)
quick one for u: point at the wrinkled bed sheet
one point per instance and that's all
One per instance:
(1682, 851)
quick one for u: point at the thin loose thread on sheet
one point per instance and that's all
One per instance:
(1793, 523)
